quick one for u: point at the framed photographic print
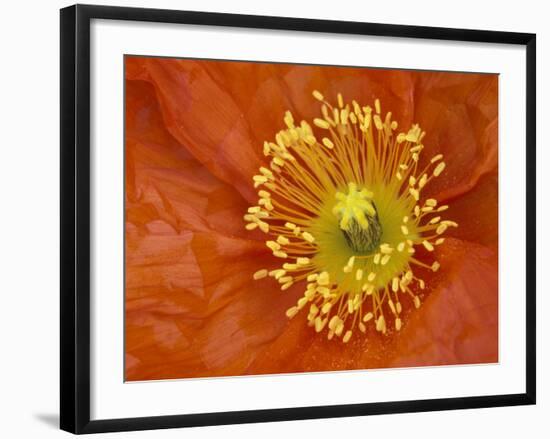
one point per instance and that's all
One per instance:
(305, 218)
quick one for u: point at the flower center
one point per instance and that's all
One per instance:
(358, 219)
(346, 216)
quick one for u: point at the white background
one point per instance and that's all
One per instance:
(29, 219)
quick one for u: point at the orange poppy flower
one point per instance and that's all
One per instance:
(195, 132)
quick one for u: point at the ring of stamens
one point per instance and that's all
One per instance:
(345, 216)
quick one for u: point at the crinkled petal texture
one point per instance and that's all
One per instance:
(194, 135)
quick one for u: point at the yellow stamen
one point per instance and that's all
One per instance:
(327, 205)
(260, 274)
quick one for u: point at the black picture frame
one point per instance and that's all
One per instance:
(75, 217)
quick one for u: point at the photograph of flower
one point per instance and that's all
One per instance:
(285, 218)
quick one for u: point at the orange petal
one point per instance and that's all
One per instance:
(187, 283)
(200, 113)
(193, 309)
(476, 213)
(459, 113)
(164, 183)
(457, 323)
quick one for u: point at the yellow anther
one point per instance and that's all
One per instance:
(283, 240)
(290, 226)
(302, 261)
(377, 105)
(449, 223)
(385, 259)
(308, 237)
(380, 323)
(333, 322)
(340, 100)
(280, 254)
(317, 95)
(336, 116)
(359, 274)
(398, 324)
(328, 143)
(339, 328)
(321, 123)
(278, 273)
(320, 324)
(377, 122)
(441, 229)
(368, 288)
(431, 202)
(395, 284)
(404, 229)
(344, 113)
(371, 276)
(368, 316)
(435, 266)
(347, 336)
(324, 291)
(350, 306)
(376, 258)
(272, 245)
(312, 278)
(416, 302)
(436, 158)
(392, 306)
(323, 278)
(326, 308)
(260, 274)
(266, 173)
(291, 312)
(278, 161)
(415, 194)
(313, 309)
(439, 169)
